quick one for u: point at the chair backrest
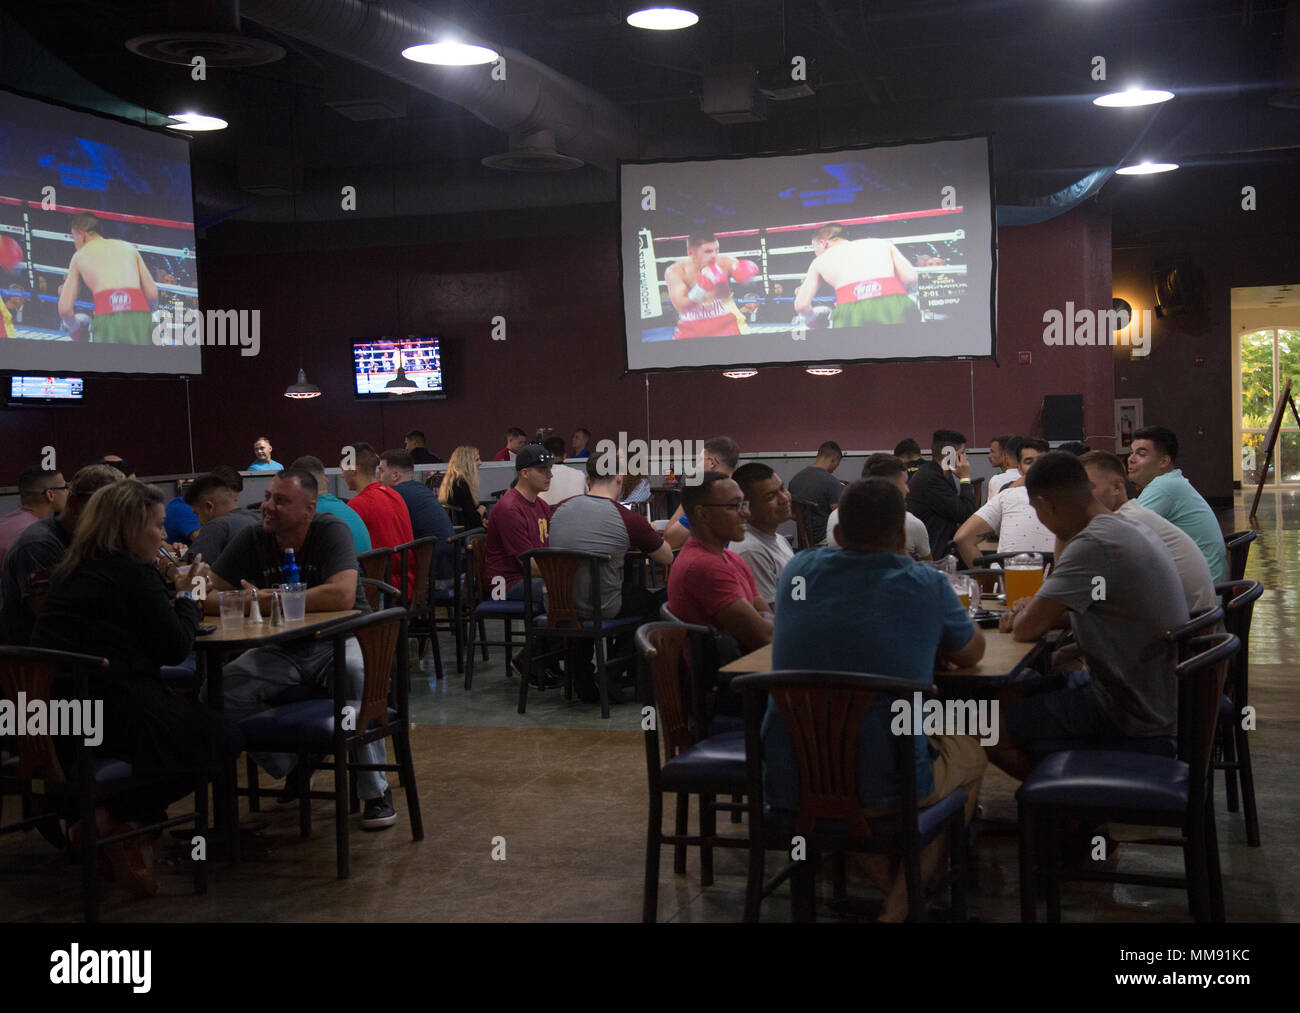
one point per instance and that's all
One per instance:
(823, 714)
(1239, 597)
(456, 514)
(1201, 677)
(667, 615)
(382, 636)
(1238, 547)
(476, 566)
(558, 568)
(31, 671)
(434, 480)
(797, 508)
(379, 594)
(377, 566)
(1202, 622)
(417, 554)
(461, 558)
(660, 646)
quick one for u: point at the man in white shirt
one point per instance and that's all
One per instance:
(1011, 457)
(893, 469)
(1106, 475)
(565, 482)
(1002, 458)
(1010, 517)
(763, 550)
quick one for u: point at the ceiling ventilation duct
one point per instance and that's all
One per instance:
(206, 28)
(534, 154)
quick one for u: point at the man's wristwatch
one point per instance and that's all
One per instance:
(187, 594)
(964, 481)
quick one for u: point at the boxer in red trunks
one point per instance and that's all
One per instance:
(871, 279)
(125, 292)
(699, 290)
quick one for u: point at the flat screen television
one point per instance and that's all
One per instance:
(45, 390)
(388, 369)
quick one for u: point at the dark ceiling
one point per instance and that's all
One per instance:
(880, 71)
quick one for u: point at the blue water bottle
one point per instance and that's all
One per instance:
(290, 568)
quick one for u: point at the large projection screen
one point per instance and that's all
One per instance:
(134, 270)
(856, 255)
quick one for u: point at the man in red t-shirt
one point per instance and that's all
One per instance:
(710, 585)
(516, 439)
(381, 508)
(520, 521)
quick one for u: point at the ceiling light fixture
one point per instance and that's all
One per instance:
(1133, 97)
(193, 121)
(662, 19)
(451, 54)
(739, 374)
(302, 390)
(824, 370)
(1147, 168)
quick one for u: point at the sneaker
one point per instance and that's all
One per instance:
(296, 785)
(379, 812)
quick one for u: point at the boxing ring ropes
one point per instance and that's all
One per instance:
(764, 251)
(25, 234)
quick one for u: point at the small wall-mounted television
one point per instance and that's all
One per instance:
(388, 369)
(45, 390)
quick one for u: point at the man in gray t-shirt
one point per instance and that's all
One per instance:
(817, 485)
(1121, 592)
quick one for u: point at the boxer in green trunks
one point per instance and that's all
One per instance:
(124, 290)
(871, 279)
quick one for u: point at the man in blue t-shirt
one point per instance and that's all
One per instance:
(262, 460)
(872, 609)
(428, 515)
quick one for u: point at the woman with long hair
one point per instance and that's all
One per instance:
(108, 598)
(460, 485)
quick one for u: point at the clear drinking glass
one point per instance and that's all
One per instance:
(294, 599)
(232, 605)
(1023, 575)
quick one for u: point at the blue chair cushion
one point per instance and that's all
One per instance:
(180, 676)
(306, 724)
(606, 625)
(103, 769)
(488, 609)
(1156, 746)
(719, 724)
(1227, 709)
(1098, 778)
(720, 758)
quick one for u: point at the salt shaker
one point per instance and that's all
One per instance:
(254, 610)
(277, 610)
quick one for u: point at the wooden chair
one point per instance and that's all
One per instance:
(798, 507)
(1237, 545)
(1232, 741)
(482, 607)
(418, 557)
(376, 565)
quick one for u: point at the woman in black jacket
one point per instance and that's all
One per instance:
(107, 598)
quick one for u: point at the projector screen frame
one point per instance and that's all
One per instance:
(992, 356)
(162, 131)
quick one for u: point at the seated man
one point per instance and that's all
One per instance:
(763, 550)
(262, 460)
(520, 521)
(327, 564)
(1011, 471)
(709, 585)
(1000, 459)
(516, 439)
(1007, 515)
(597, 522)
(38, 550)
(940, 492)
(180, 523)
(720, 454)
(887, 466)
(383, 511)
(565, 482)
(1106, 476)
(1164, 490)
(428, 516)
(41, 494)
(420, 454)
(909, 452)
(214, 503)
(328, 503)
(817, 484)
(854, 605)
(1118, 586)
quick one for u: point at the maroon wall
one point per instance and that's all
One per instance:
(561, 361)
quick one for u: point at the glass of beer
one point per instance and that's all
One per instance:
(966, 589)
(1024, 576)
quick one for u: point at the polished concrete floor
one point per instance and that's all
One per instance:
(541, 817)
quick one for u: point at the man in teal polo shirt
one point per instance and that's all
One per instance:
(1164, 490)
(327, 503)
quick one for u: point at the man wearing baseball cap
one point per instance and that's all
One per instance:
(520, 521)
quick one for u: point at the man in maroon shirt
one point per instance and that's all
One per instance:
(708, 584)
(380, 507)
(516, 439)
(520, 521)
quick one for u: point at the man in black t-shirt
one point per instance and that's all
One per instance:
(327, 564)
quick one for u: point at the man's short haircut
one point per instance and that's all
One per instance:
(556, 446)
(123, 466)
(748, 475)
(1032, 443)
(415, 434)
(260, 439)
(1012, 447)
(204, 486)
(85, 222)
(883, 466)
(230, 476)
(945, 438)
(699, 239)
(305, 479)
(514, 431)
(828, 232)
(725, 449)
(1104, 461)
(90, 479)
(871, 514)
(33, 482)
(398, 458)
(1060, 477)
(829, 448)
(584, 430)
(367, 461)
(1001, 441)
(308, 463)
(907, 446)
(694, 495)
(1074, 447)
(596, 468)
(1165, 440)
